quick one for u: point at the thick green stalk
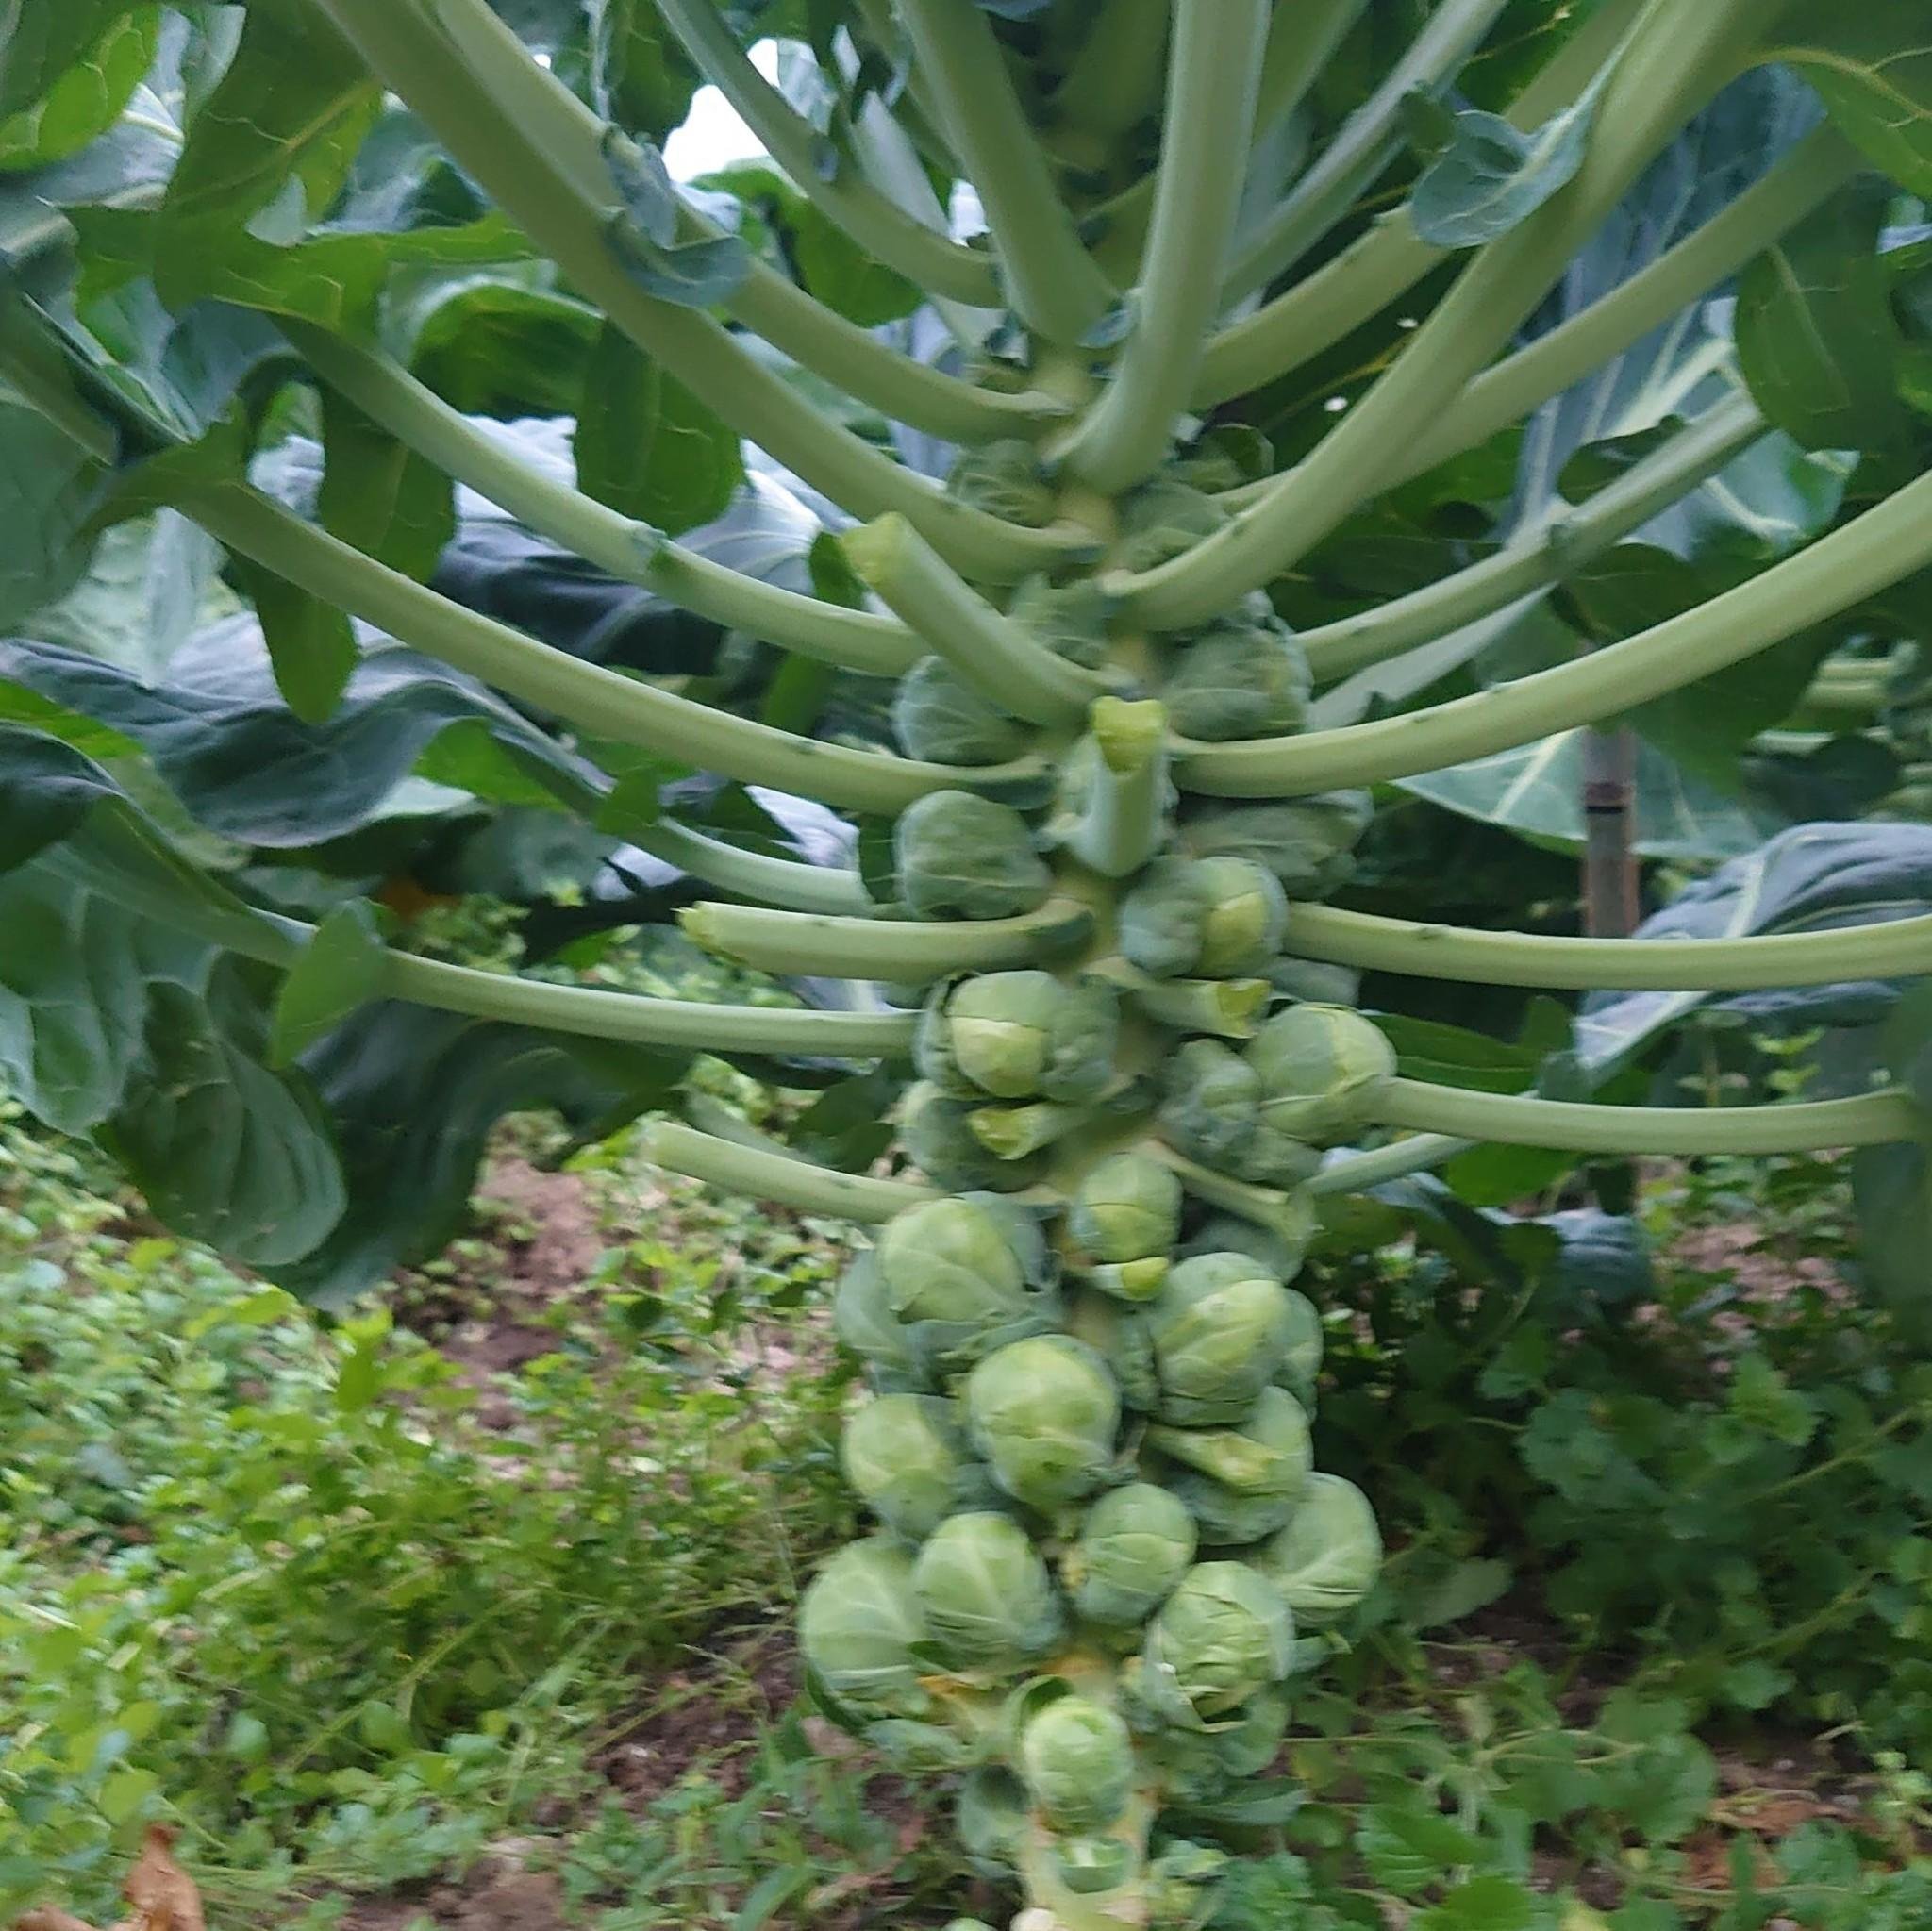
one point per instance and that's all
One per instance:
(1367, 142)
(1682, 51)
(598, 701)
(741, 1168)
(767, 302)
(938, 264)
(1577, 1126)
(1874, 550)
(1124, 815)
(1212, 81)
(1550, 550)
(1051, 280)
(631, 551)
(901, 950)
(1875, 950)
(414, 59)
(1390, 258)
(767, 881)
(996, 657)
(1802, 181)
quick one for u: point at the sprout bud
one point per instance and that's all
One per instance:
(1322, 1068)
(987, 1596)
(1043, 1412)
(1127, 1208)
(1219, 1330)
(1305, 842)
(1218, 917)
(936, 715)
(907, 1459)
(1135, 1544)
(1005, 479)
(963, 857)
(1241, 1483)
(1223, 1637)
(1077, 1759)
(1327, 1557)
(857, 1627)
(1239, 680)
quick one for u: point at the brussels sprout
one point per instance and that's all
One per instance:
(938, 1133)
(1327, 1557)
(1117, 1333)
(1019, 1034)
(1070, 620)
(988, 1598)
(1043, 1412)
(907, 1459)
(1160, 520)
(1212, 1102)
(1223, 1637)
(857, 1626)
(1305, 842)
(1239, 680)
(1244, 1482)
(963, 857)
(1135, 1544)
(992, 1820)
(1005, 479)
(1218, 917)
(863, 1320)
(937, 716)
(960, 1259)
(1220, 1329)
(1200, 1766)
(1076, 1756)
(1322, 1068)
(1272, 1247)
(1302, 1365)
(1088, 1866)
(1127, 1208)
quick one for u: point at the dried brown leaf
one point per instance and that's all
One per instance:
(162, 1894)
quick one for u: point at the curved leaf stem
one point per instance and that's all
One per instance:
(741, 1168)
(901, 950)
(602, 702)
(1543, 554)
(1356, 1173)
(1876, 549)
(1879, 949)
(1113, 82)
(767, 881)
(1362, 148)
(1212, 83)
(883, 230)
(1682, 51)
(1579, 1127)
(1390, 257)
(415, 57)
(1051, 280)
(631, 551)
(999, 660)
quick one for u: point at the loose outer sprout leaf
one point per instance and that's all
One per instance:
(1491, 175)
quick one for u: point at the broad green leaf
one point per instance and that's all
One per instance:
(1816, 336)
(311, 644)
(647, 446)
(379, 495)
(293, 107)
(49, 487)
(640, 77)
(336, 972)
(86, 100)
(1484, 1904)
(1409, 1850)
(1491, 175)
(843, 277)
(493, 346)
(249, 770)
(414, 1094)
(1809, 878)
(41, 40)
(643, 238)
(1872, 65)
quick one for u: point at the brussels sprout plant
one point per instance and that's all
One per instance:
(1143, 690)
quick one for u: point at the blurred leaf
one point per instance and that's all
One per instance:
(42, 45)
(1816, 336)
(336, 972)
(85, 101)
(647, 446)
(1871, 65)
(379, 495)
(48, 490)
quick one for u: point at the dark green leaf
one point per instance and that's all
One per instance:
(85, 101)
(311, 644)
(379, 495)
(49, 487)
(1410, 1851)
(491, 346)
(43, 42)
(293, 106)
(1892, 1190)
(647, 446)
(336, 972)
(1871, 65)
(639, 76)
(1816, 336)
